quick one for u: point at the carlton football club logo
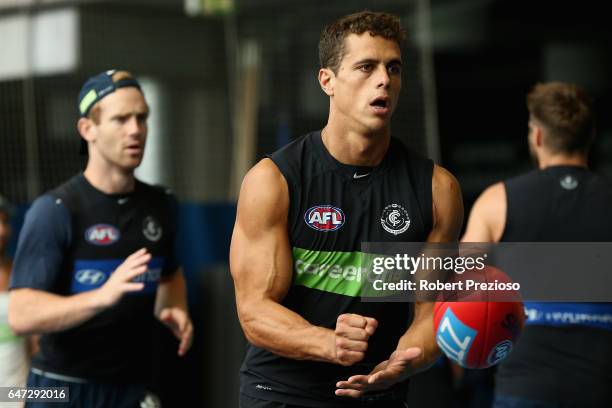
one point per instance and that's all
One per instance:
(569, 182)
(324, 218)
(151, 229)
(102, 234)
(394, 219)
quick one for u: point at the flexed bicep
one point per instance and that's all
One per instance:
(261, 266)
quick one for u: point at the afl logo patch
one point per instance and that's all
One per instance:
(394, 219)
(102, 235)
(324, 218)
(569, 182)
(151, 229)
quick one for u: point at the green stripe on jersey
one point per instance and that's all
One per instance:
(343, 273)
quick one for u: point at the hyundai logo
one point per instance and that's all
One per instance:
(90, 277)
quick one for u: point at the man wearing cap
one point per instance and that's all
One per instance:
(95, 262)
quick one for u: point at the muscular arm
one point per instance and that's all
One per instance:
(447, 221)
(261, 266)
(488, 216)
(486, 223)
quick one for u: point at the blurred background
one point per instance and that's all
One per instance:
(229, 81)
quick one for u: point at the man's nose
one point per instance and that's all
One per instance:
(382, 77)
(135, 125)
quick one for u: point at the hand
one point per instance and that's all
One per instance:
(382, 377)
(178, 321)
(351, 337)
(120, 281)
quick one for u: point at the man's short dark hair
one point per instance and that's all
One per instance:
(565, 111)
(331, 43)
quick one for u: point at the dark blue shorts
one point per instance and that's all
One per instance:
(90, 394)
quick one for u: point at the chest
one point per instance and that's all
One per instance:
(114, 230)
(331, 212)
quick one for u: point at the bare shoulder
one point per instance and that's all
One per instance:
(447, 206)
(488, 215)
(443, 181)
(491, 204)
(264, 195)
(493, 196)
(264, 175)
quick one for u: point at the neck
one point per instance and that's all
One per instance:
(110, 181)
(577, 159)
(356, 148)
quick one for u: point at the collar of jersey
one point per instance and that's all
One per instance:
(104, 195)
(565, 168)
(346, 170)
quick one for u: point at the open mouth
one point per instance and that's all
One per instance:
(380, 103)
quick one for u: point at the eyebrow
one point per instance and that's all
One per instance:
(373, 61)
(127, 114)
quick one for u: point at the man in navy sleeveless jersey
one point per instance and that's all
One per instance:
(554, 364)
(95, 262)
(302, 216)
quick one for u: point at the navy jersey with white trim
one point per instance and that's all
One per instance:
(73, 238)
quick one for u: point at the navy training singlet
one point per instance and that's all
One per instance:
(566, 363)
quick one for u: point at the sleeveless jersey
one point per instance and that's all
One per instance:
(333, 209)
(102, 231)
(568, 363)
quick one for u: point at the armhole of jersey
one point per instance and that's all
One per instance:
(288, 175)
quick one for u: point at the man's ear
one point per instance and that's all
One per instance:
(85, 127)
(538, 138)
(326, 80)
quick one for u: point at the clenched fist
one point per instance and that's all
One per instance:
(351, 335)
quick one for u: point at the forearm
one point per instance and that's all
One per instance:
(420, 334)
(171, 292)
(37, 312)
(271, 326)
